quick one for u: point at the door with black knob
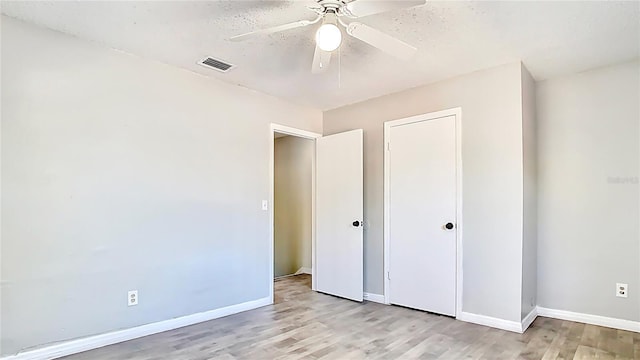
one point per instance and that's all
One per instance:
(422, 215)
(339, 214)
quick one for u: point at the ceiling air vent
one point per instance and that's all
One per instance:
(215, 64)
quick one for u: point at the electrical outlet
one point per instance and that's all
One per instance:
(622, 290)
(132, 298)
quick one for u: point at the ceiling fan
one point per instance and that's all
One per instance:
(329, 36)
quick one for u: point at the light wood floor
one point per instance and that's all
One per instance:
(307, 325)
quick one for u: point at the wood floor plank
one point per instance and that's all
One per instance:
(303, 324)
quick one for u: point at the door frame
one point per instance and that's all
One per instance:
(457, 112)
(282, 129)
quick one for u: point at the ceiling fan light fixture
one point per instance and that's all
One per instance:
(328, 37)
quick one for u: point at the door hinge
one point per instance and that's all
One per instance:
(389, 146)
(388, 275)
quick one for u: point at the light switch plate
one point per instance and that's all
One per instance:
(265, 205)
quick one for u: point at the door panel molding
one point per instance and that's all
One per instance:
(457, 113)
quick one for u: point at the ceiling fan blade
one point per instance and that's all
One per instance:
(360, 8)
(275, 29)
(382, 41)
(321, 61)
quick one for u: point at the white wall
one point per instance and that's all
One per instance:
(492, 149)
(530, 193)
(589, 154)
(292, 204)
(120, 173)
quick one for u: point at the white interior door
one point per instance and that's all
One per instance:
(339, 192)
(422, 215)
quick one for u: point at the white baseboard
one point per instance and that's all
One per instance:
(490, 321)
(97, 341)
(374, 297)
(303, 270)
(529, 319)
(614, 323)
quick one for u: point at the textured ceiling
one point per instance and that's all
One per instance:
(551, 38)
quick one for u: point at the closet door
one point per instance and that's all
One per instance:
(422, 215)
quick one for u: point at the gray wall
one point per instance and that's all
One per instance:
(589, 152)
(530, 193)
(120, 173)
(292, 204)
(492, 179)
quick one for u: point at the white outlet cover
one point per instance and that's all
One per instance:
(622, 290)
(132, 298)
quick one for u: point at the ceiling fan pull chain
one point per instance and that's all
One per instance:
(339, 68)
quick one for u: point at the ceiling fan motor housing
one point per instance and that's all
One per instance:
(331, 6)
(332, 3)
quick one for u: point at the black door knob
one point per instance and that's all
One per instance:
(356, 223)
(448, 226)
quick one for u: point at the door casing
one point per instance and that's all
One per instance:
(276, 128)
(457, 112)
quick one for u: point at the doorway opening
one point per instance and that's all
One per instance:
(336, 212)
(292, 206)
